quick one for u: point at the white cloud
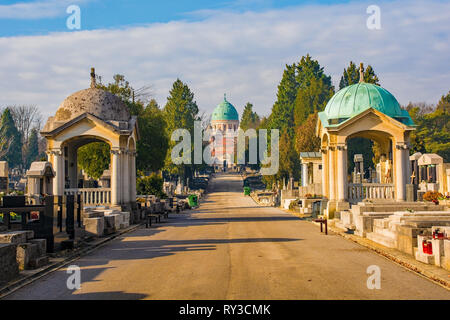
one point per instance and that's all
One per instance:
(242, 54)
(36, 9)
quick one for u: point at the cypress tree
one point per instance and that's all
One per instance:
(11, 137)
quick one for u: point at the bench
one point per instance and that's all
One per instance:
(156, 216)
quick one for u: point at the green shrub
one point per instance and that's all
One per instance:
(150, 185)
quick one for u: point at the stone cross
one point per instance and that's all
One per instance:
(412, 177)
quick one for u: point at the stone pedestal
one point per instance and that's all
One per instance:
(411, 192)
(26, 252)
(94, 226)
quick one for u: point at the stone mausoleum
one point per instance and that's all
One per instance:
(369, 111)
(93, 115)
(379, 204)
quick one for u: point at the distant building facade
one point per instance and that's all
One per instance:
(224, 128)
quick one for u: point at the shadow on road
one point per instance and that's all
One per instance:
(113, 295)
(149, 249)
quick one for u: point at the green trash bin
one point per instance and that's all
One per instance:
(193, 200)
(247, 191)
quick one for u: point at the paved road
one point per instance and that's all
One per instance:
(231, 249)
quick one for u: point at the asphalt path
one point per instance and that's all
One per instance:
(230, 248)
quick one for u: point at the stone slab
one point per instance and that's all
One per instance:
(94, 226)
(39, 262)
(438, 251)
(25, 253)
(111, 211)
(16, 237)
(424, 257)
(93, 214)
(126, 217)
(117, 220)
(110, 226)
(41, 246)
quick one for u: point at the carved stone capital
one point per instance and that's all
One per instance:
(115, 151)
(402, 146)
(55, 152)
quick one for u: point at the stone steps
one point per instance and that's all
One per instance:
(382, 239)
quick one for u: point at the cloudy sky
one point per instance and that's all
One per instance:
(238, 47)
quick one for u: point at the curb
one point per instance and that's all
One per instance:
(26, 280)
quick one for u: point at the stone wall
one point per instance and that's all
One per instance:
(312, 189)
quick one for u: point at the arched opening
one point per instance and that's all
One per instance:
(94, 160)
(85, 160)
(371, 178)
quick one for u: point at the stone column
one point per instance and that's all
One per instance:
(324, 173)
(304, 174)
(133, 176)
(115, 177)
(342, 173)
(58, 165)
(401, 174)
(126, 176)
(332, 176)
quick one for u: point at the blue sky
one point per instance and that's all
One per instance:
(238, 47)
(32, 17)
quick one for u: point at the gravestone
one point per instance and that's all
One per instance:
(4, 181)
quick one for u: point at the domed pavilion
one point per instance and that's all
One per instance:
(93, 115)
(368, 111)
(224, 122)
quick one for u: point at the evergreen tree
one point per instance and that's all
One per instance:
(444, 104)
(311, 99)
(433, 129)
(351, 76)
(303, 90)
(289, 160)
(32, 148)
(249, 118)
(308, 70)
(282, 115)
(306, 139)
(12, 140)
(180, 112)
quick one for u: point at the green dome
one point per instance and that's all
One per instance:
(354, 99)
(225, 111)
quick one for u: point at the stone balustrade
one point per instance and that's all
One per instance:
(360, 191)
(92, 196)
